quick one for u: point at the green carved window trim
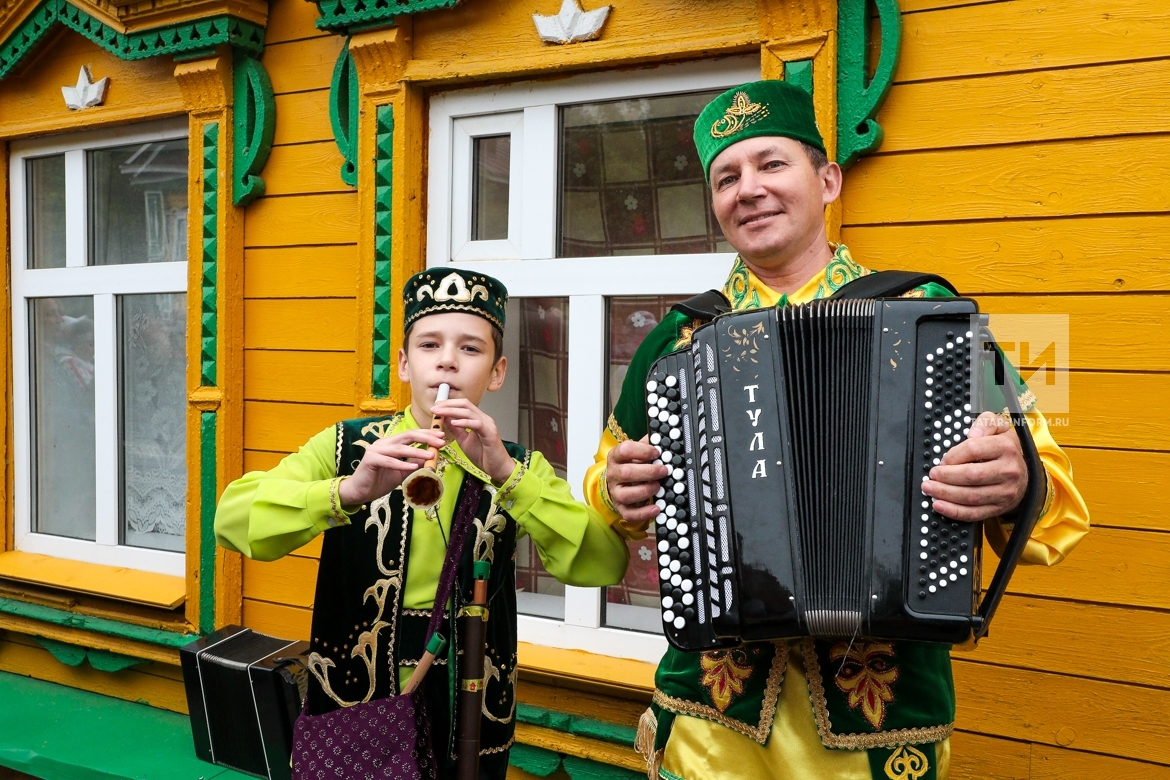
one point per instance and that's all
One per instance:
(254, 126)
(208, 320)
(383, 234)
(859, 95)
(186, 40)
(344, 108)
(346, 16)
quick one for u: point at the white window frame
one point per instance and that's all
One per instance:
(104, 284)
(534, 270)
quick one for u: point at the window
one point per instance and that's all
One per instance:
(585, 196)
(99, 280)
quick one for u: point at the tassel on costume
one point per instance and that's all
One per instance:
(644, 743)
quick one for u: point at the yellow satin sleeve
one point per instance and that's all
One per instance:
(596, 495)
(1065, 519)
(699, 749)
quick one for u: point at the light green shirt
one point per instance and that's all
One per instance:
(268, 514)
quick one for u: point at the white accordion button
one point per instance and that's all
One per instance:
(938, 351)
(660, 504)
(662, 402)
(680, 487)
(682, 528)
(966, 407)
(929, 381)
(962, 559)
(933, 589)
(687, 585)
(933, 576)
(684, 543)
(668, 616)
(667, 602)
(671, 511)
(925, 530)
(938, 423)
(954, 578)
(925, 504)
(675, 433)
(923, 556)
(678, 474)
(652, 399)
(942, 583)
(655, 438)
(928, 405)
(963, 572)
(688, 599)
(676, 580)
(938, 437)
(675, 566)
(664, 575)
(663, 546)
(929, 370)
(680, 622)
(937, 449)
(671, 523)
(959, 340)
(923, 543)
(929, 393)
(651, 386)
(664, 561)
(661, 517)
(672, 421)
(671, 381)
(661, 492)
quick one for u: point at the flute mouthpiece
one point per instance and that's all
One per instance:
(443, 392)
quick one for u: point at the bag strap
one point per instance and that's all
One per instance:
(460, 530)
(888, 284)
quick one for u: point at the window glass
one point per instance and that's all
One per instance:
(631, 181)
(45, 187)
(152, 331)
(633, 603)
(138, 203)
(62, 415)
(492, 159)
(543, 374)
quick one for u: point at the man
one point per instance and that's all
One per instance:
(808, 709)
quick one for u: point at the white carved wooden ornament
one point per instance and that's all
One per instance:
(86, 93)
(572, 24)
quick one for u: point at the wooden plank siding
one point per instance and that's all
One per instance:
(300, 288)
(1025, 158)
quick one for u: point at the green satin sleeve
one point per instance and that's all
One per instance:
(268, 514)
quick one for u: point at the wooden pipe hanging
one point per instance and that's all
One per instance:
(423, 489)
(469, 704)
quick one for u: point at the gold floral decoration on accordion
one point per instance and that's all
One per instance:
(907, 763)
(742, 113)
(866, 676)
(724, 672)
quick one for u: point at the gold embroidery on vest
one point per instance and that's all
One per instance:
(742, 113)
(907, 763)
(866, 675)
(723, 674)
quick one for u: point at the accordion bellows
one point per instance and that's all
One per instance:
(798, 438)
(244, 691)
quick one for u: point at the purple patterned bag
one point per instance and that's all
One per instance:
(385, 739)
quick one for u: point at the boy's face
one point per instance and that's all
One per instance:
(455, 348)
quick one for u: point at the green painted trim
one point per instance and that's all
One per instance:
(344, 105)
(345, 16)
(534, 760)
(60, 733)
(193, 37)
(800, 73)
(858, 95)
(60, 617)
(207, 496)
(576, 725)
(207, 288)
(255, 126)
(383, 190)
(75, 655)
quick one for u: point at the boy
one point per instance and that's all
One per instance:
(380, 561)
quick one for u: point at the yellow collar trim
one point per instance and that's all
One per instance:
(745, 290)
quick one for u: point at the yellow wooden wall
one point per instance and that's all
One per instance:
(1027, 158)
(300, 287)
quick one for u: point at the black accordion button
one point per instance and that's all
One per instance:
(671, 394)
(685, 571)
(673, 551)
(672, 407)
(689, 613)
(680, 500)
(666, 589)
(684, 557)
(672, 537)
(921, 594)
(680, 515)
(675, 593)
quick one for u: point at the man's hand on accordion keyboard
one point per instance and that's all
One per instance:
(631, 478)
(982, 477)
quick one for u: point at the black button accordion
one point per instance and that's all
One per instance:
(797, 439)
(244, 692)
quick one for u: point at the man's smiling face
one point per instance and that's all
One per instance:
(770, 200)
